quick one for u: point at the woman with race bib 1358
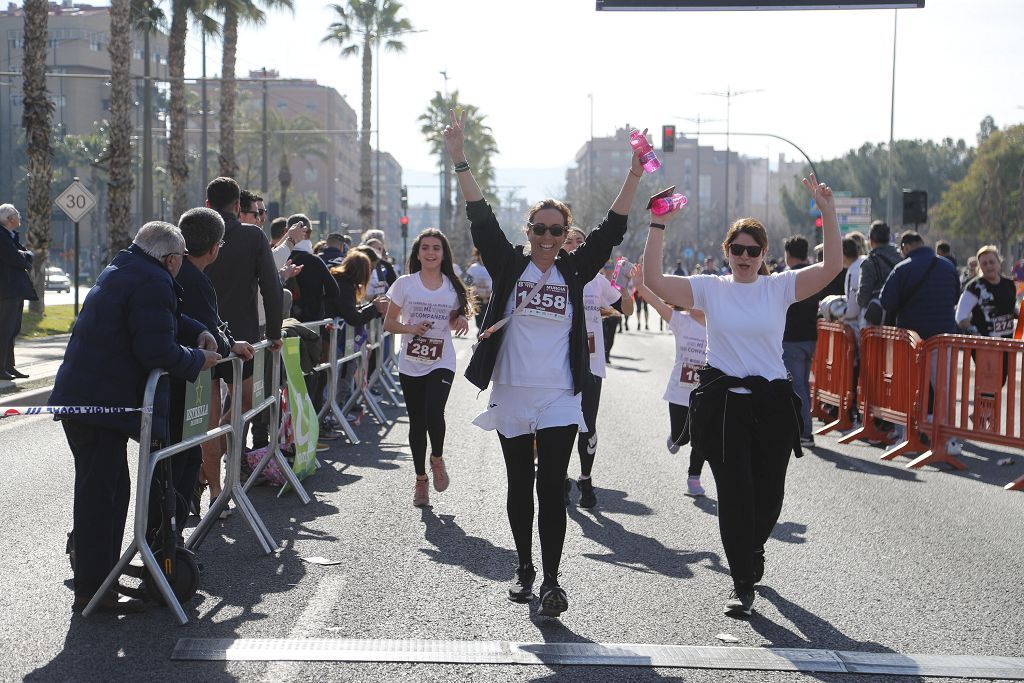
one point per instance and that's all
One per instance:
(426, 305)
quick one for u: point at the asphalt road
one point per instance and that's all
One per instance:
(868, 556)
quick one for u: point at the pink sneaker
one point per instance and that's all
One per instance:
(693, 487)
(421, 496)
(441, 480)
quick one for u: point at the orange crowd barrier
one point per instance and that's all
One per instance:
(889, 382)
(981, 406)
(833, 365)
(1019, 332)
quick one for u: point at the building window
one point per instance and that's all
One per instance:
(137, 54)
(96, 45)
(282, 104)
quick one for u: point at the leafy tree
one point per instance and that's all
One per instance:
(988, 203)
(376, 22)
(289, 139)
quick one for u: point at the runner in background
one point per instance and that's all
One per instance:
(598, 294)
(691, 336)
(480, 280)
(987, 302)
(426, 305)
(641, 309)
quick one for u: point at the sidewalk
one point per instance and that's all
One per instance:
(38, 358)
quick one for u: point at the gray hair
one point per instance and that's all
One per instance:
(374, 234)
(202, 228)
(6, 211)
(158, 239)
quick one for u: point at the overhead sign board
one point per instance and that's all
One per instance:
(751, 5)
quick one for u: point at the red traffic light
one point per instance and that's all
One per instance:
(818, 223)
(404, 220)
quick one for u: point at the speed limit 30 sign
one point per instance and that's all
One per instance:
(76, 201)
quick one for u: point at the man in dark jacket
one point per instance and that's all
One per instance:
(334, 253)
(15, 288)
(801, 336)
(130, 324)
(877, 266)
(922, 289)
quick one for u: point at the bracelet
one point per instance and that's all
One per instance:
(461, 166)
(659, 226)
(289, 239)
(638, 175)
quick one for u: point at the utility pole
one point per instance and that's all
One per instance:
(264, 173)
(698, 121)
(892, 121)
(204, 174)
(147, 129)
(446, 176)
(376, 190)
(728, 95)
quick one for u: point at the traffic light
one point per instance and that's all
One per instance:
(404, 220)
(405, 199)
(817, 223)
(668, 138)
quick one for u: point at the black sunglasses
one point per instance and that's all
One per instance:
(753, 251)
(539, 229)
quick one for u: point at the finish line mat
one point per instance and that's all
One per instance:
(596, 654)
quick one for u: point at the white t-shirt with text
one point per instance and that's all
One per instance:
(691, 354)
(418, 356)
(535, 348)
(598, 294)
(746, 321)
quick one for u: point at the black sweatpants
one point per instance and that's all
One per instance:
(750, 475)
(554, 448)
(102, 492)
(609, 326)
(425, 399)
(677, 419)
(586, 442)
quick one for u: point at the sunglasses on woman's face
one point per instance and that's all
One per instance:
(539, 229)
(753, 251)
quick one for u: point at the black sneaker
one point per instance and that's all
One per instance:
(565, 491)
(587, 497)
(522, 589)
(552, 600)
(758, 565)
(741, 602)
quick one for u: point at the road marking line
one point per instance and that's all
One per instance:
(595, 654)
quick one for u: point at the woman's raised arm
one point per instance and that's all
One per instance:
(672, 289)
(455, 142)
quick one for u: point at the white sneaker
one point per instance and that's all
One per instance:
(672, 446)
(954, 446)
(693, 487)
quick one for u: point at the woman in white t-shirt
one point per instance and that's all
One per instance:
(744, 416)
(597, 295)
(427, 304)
(691, 339)
(534, 349)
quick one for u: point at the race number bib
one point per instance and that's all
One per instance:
(1002, 326)
(689, 375)
(591, 344)
(424, 350)
(550, 302)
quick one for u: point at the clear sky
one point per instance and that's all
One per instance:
(529, 65)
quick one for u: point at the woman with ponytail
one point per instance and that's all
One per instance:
(427, 304)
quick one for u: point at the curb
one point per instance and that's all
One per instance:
(34, 397)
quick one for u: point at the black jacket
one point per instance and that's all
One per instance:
(346, 307)
(15, 261)
(506, 263)
(246, 262)
(316, 285)
(776, 404)
(199, 302)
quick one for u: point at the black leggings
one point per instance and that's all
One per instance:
(609, 326)
(425, 399)
(586, 443)
(677, 418)
(554, 448)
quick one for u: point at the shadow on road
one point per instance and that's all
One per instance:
(854, 464)
(638, 552)
(790, 532)
(814, 633)
(455, 547)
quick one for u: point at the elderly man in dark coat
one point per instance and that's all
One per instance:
(130, 324)
(15, 288)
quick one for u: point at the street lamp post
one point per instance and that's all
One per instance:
(698, 121)
(892, 120)
(728, 95)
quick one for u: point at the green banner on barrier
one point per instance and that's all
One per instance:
(197, 406)
(258, 376)
(304, 420)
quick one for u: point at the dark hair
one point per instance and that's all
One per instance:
(879, 232)
(754, 228)
(278, 227)
(368, 252)
(850, 248)
(222, 193)
(335, 238)
(356, 269)
(911, 237)
(247, 199)
(467, 304)
(942, 247)
(561, 207)
(202, 228)
(796, 246)
(296, 217)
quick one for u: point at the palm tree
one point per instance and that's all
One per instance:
(36, 118)
(177, 162)
(235, 11)
(120, 180)
(376, 21)
(480, 145)
(288, 140)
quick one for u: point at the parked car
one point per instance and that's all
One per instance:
(57, 280)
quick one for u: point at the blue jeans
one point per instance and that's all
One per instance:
(797, 357)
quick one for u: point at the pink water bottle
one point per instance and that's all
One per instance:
(644, 149)
(663, 205)
(620, 276)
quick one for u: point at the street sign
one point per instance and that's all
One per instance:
(76, 201)
(853, 213)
